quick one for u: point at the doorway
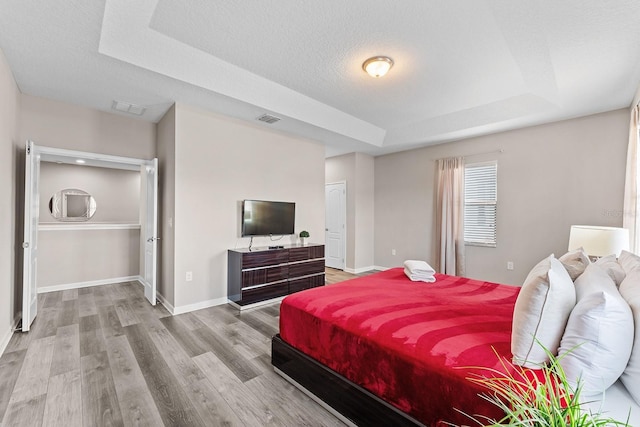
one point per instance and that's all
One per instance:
(335, 228)
(148, 170)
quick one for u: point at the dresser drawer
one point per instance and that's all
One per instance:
(265, 258)
(266, 292)
(260, 276)
(306, 283)
(299, 254)
(305, 252)
(306, 268)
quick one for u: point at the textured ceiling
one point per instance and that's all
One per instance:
(462, 68)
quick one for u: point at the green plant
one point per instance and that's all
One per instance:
(529, 402)
(304, 233)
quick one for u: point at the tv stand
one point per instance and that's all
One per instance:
(262, 274)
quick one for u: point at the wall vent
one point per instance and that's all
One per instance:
(267, 118)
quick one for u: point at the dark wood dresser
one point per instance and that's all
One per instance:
(260, 274)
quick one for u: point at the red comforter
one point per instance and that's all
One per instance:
(410, 343)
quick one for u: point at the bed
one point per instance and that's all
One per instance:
(383, 350)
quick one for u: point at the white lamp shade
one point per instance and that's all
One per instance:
(599, 241)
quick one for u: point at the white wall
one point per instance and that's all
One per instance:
(357, 170)
(166, 148)
(549, 177)
(9, 111)
(220, 161)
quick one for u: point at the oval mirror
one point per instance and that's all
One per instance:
(72, 204)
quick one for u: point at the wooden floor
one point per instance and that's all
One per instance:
(334, 276)
(103, 356)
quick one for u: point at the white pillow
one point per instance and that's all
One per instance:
(575, 262)
(629, 261)
(612, 267)
(630, 290)
(597, 342)
(594, 279)
(541, 312)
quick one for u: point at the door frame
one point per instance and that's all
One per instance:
(149, 229)
(30, 237)
(344, 219)
(58, 155)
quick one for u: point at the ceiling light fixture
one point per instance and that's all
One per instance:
(377, 66)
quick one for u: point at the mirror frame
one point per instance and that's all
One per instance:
(69, 201)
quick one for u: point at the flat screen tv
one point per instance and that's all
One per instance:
(265, 218)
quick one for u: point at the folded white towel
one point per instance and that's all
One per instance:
(419, 277)
(415, 266)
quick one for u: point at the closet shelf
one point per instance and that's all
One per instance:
(87, 226)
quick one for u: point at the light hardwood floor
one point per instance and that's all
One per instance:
(103, 356)
(334, 276)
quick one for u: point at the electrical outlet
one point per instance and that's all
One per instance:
(393, 251)
(509, 265)
(189, 276)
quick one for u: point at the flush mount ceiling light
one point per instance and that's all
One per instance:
(377, 66)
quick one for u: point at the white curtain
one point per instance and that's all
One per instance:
(450, 216)
(630, 217)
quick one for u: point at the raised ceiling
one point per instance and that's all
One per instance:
(462, 67)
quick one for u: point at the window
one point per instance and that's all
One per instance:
(480, 203)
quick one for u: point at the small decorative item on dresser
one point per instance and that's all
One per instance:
(303, 235)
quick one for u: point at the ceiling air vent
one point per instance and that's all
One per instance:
(267, 118)
(128, 108)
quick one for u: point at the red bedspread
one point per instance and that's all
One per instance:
(407, 342)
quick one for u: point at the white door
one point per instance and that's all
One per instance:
(30, 241)
(149, 232)
(335, 219)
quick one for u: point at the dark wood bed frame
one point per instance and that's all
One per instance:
(353, 402)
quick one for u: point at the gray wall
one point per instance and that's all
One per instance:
(219, 162)
(9, 110)
(365, 167)
(549, 177)
(116, 191)
(60, 125)
(357, 170)
(74, 256)
(166, 148)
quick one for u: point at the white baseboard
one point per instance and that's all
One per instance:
(190, 307)
(78, 285)
(165, 303)
(379, 268)
(8, 334)
(360, 270)
(173, 310)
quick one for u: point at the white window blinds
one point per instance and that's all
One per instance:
(480, 203)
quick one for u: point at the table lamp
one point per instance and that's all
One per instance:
(598, 241)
